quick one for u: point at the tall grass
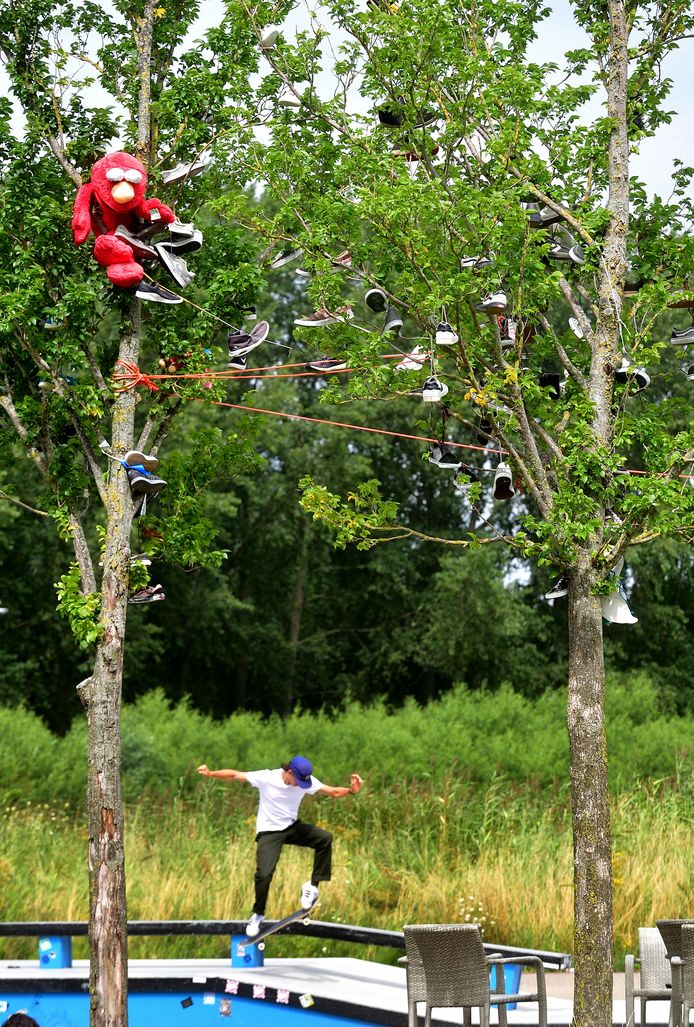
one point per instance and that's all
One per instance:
(401, 857)
(465, 813)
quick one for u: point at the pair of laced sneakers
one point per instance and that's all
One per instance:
(183, 238)
(433, 390)
(375, 299)
(309, 897)
(442, 456)
(139, 468)
(615, 608)
(240, 344)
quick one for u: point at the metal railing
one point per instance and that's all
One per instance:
(313, 929)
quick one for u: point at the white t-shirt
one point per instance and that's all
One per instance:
(279, 803)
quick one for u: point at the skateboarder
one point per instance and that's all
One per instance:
(278, 824)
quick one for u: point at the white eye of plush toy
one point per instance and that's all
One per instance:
(115, 174)
(133, 176)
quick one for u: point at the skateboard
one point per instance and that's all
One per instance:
(298, 914)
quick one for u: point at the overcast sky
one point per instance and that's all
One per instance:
(653, 164)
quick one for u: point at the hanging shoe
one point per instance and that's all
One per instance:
(683, 337)
(433, 390)
(178, 230)
(237, 362)
(150, 594)
(139, 247)
(559, 589)
(144, 482)
(289, 99)
(475, 263)
(492, 303)
(615, 608)
(576, 328)
(376, 300)
(327, 364)
(540, 215)
(390, 116)
(483, 426)
(463, 487)
(136, 458)
(688, 369)
(240, 344)
(175, 265)
(627, 372)
(286, 257)
(183, 243)
(405, 150)
(553, 381)
(507, 332)
(414, 361)
(324, 317)
(141, 558)
(441, 456)
(184, 171)
(342, 262)
(271, 34)
(503, 483)
(564, 247)
(393, 321)
(445, 336)
(157, 294)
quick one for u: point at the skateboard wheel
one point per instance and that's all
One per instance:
(261, 945)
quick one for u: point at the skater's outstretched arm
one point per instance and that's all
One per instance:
(339, 791)
(223, 775)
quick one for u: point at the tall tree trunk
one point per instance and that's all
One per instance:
(592, 837)
(101, 695)
(592, 842)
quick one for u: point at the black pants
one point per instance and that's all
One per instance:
(269, 846)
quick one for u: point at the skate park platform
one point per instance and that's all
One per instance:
(323, 991)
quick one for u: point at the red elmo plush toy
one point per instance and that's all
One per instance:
(116, 196)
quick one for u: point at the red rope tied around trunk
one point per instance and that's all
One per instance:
(132, 377)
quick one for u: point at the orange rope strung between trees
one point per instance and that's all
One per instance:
(134, 377)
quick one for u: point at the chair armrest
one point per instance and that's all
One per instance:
(629, 996)
(533, 961)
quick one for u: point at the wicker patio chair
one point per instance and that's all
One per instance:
(656, 977)
(671, 932)
(687, 972)
(456, 972)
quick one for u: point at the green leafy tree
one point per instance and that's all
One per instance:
(63, 329)
(484, 167)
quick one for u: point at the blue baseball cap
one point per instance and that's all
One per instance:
(302, 769)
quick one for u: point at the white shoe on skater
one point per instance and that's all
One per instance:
(309, 895)
(253, 925)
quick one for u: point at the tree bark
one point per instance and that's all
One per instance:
(592, 840)
(592, 837)
(101, 696)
